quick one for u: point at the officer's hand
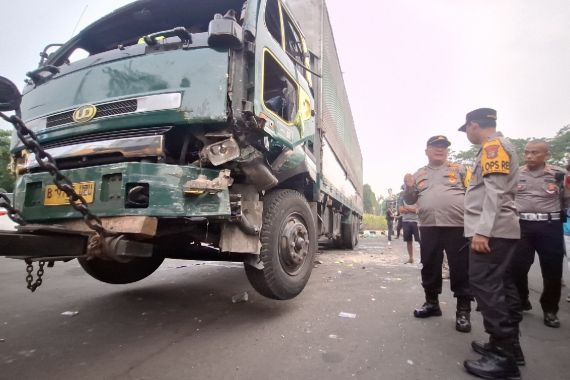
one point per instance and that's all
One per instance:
(480, 243)
(409, 180)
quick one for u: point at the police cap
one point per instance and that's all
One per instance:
(487, 117)
(438, 140)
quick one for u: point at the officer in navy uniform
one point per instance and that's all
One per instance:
(540, 203)
(492, 225)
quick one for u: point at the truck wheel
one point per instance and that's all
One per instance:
(114, 272)
(288, 246)
(349, 233)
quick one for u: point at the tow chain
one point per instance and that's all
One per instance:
(30, 278)
(47, 162)
(13, 213)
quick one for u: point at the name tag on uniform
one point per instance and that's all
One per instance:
(495, 159)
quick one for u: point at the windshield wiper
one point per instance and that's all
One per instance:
(181, 32)
(37, 78)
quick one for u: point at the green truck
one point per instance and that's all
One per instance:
(188, 129)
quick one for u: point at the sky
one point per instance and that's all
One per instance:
(412, 68)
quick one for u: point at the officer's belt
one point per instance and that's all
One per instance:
(537, 217)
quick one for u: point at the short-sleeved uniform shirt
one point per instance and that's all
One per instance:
(439, 193)
(490, 199)
(538, 191)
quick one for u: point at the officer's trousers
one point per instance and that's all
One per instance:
(390, 230)
(492, 284)
(547, 239)
(434, 241)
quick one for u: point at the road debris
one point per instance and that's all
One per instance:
(343, 314)
(70, 313)
(242, 297)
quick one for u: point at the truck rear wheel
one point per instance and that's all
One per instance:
(114, 272)
(349, 233)
(288, 246)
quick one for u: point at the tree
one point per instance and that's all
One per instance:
(6, 177)
(559, 149)
(370, 202)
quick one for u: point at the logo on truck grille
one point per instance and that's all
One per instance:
(84, 114)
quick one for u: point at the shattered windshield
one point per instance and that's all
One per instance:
(128, 24)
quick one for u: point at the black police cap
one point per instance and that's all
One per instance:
(479, 115)
(438, 140)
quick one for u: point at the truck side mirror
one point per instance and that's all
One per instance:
(10, 97)
(224, 31)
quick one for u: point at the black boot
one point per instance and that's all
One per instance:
(463, 315)
(486, 348)
(430, 308)
(551, 320)
(526, 305)
(498, 363)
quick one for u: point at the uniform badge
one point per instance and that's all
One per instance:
(495, 159)
(492, 151)
(551, 188)
(452, 177)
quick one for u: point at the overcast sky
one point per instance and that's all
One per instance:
(412, 68)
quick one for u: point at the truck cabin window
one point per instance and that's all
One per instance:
(272, 19)
(279, 90)
(127, 25)
(293, 44)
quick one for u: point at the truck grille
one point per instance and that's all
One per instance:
(111, 135)
(103, 110)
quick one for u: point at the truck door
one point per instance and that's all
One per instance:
(282, 88)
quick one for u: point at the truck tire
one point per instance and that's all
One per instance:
(349, 232)
(114, 272)
(288, 246)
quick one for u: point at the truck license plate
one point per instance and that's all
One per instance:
(55, 197)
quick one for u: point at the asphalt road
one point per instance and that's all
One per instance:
(180, 323)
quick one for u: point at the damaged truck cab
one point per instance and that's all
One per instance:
(192, 129)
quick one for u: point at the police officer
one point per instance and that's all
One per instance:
(491, 223)
(439, 191)
(540, 206)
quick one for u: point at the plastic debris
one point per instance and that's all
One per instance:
(70, 313)
(242, 297)
(318, 262)
(410, 362)
(343, 314)
(2, 340)
(333, 336)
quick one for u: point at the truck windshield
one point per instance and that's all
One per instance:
(128, 24)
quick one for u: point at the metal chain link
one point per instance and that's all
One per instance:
(47, 162)
(13, 213)
(30, 278)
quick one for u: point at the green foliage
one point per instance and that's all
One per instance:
(373, 222)
(6, 178)
(369, 199)
(559, 148)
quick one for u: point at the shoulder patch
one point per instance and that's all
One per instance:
(495, 159)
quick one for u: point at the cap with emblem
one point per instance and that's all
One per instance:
(438, 140)
(485, 116)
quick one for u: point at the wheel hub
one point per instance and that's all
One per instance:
(294, 245)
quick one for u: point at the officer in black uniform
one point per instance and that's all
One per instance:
(491, 223)
(540, 201)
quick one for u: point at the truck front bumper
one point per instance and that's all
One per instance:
(112, 183)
